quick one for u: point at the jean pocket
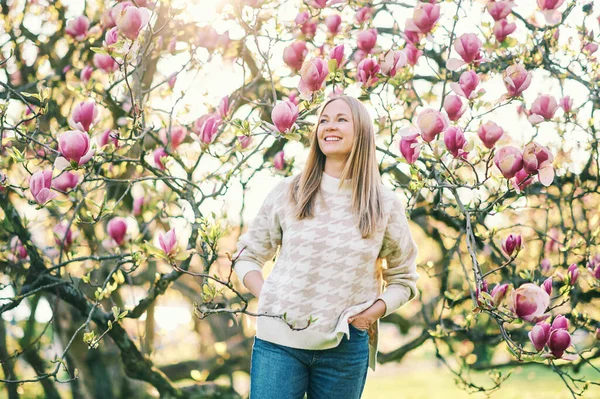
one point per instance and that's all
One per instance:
(358, 331)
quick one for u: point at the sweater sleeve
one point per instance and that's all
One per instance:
(259, 243)
(400, 252)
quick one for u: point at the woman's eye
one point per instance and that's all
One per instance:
(322, 121)
(343, 119)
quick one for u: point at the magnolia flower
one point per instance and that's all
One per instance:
(547, 285)
(168, 242)
(63, 235)
(224, 107)
(279, 161)
(558, 342)
(366, 40)
(537, 159)
(468, 47)
(293, 55)
(573, 273)
(529, 302)
(412, 54)
(455, 141)
(17, 248)
(65, 181)
(245, 141)
(39, 186)
(78, 27)
(131, 20)
(105, 62)
(74, 146)
(500, 9)
(332, 22)
(425, 16)
(539, 335)
(453, 106)
(117, 228)
(512, 243)
(284, 116)
(363, 15)
(490, 133)
(86, 73)
(566, 103)
(83, 116)
(410, 148)
(208, 38)
(312, 76)
(366, 72)
(392, 61)
(159, 156)
(498, 293)
(337, 54)
(503, 28)
(509, 161)
(431, 122)
(594, 266)
(516, 79)
(550, 10)
(106, 137)
(467, 83)
(175, 137)
(543, 108)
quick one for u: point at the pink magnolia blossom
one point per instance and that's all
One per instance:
(106, 137)
(74, 146)
(547, 285)
(302, 18)
(333, 22)
(245, 141)
(366, 72)
(84, 115)
(309, 28)
(594, 266)
(455, 141)
(39, 186)
(284, 116)
(65, 181)
(573, 273)
(490, 133)
(529, 302)
(467, 83)
(159, 156)
(172, 79)
(431, 122)
(293, 55)
(63, 234)
(411, 33)
(175, 137)
(521, 180)
(425, 16)
(516, 79)
(500, 9)
(138, 203)
(111, 37)
(168, 242)
(512, 243)
(312, 76)
(550, 10)
(17, 248)
(453, 106)
(367, 39)
(131, 20)
(78, 27)
(566, 103)
(279, 161)
(105, 62)
(358, 56)
(410, 148)
(86, 74)
(558, 342)
(209, 128)
(545, 265)
(509, 161)
(319, 3)
(503, 28)
(539, 335)
(208, 38)
(363, 15)
(538, 159)
(590, 48)
(412, 53)
(337, 54)
(468, 47)
(498, 293)
(560, 321)
(543, 108)
(392, 61)
(224, 107)
(117, 228)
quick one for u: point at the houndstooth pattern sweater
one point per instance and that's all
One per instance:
(325, 269)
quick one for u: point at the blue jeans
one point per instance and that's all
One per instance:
(281, 372)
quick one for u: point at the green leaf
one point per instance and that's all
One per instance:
(183, 255)
(99, 50)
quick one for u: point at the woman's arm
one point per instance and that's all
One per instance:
(254, 282)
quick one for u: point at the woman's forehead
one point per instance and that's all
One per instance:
(336, 107)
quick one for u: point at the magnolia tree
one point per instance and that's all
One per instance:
(112, 163)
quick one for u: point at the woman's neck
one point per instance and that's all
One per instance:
(334, 167)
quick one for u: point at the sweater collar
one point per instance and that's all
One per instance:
(330, 184)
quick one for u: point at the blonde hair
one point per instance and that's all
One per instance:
(361, 167)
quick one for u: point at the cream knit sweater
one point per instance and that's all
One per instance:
(325, 269)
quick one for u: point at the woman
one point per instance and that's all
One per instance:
(336, 225)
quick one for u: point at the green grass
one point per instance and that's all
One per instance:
(528, 382)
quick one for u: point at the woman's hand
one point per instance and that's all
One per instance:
(364, 319)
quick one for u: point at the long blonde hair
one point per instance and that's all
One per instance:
(361, 167)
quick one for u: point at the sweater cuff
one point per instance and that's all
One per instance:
(244, 267)
(394, 296)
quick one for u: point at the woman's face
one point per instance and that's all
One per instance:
(335, 133)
